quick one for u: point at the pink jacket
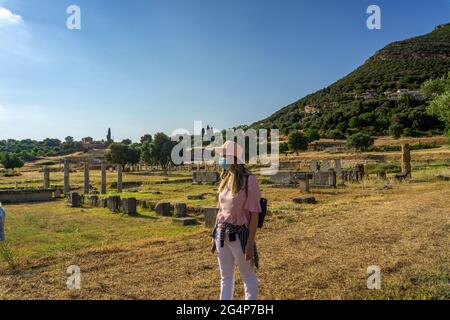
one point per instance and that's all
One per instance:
(237, 209)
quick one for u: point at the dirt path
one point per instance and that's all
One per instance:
(321, 252)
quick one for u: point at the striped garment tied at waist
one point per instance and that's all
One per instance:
(233, 231)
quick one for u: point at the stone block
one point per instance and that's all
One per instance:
(185, 221)
(129, 205)
(205, 177)
(283, 178)
(196, 197)
(441, 177)
(94, 201)
(307, 199)
(210, 215)
(180, 210)
(304, 185)
(163, 209)
(74, 199)
(114, 203)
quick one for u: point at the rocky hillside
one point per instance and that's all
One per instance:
(383, 92)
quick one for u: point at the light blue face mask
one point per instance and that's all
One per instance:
(223, 164)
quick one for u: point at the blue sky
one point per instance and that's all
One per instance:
(143, 66)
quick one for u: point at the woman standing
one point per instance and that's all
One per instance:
(2, 223)
(237, 222)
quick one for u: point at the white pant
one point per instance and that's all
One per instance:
(229, 256)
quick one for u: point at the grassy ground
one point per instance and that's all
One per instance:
(53, 229)
(317, 251)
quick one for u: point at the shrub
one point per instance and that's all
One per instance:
(371, 168)
(10, 160)
(46, 163)
(312, 135)
(297, 142)
(360, 141)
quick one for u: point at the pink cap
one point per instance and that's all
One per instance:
(231, 149)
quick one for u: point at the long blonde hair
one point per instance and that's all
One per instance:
(236, 177)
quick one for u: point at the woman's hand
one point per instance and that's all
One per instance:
(249, 251)
(213, 245)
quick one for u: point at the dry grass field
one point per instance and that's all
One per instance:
(319, 251)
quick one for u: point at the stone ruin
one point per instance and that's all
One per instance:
(405, 163)
(86, 182)
(210, 215)
(74, 199)
(353, 174)
(129, 205)
(323, 174)
(114, 203)
(48, 193)
(26, 195)
(326, 165)
(305, 180)
(208, 177)
(163, 209)
(180, 210)
(305, 199)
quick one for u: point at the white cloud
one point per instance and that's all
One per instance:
(9, 18)
(16, 38)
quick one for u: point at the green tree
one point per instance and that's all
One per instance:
(436, 87)
(146, 154)
(439, 92)
(312, 135)
(133, 154)
(297, 142)
(159, 151)
(10, 160)
(360, 141)
(146, 138)
(284, 148)
(69, 140)
(336, 135)
(355, 122)
(396, 130)
(127, 142)
(118, 153)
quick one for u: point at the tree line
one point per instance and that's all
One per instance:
(155, 150)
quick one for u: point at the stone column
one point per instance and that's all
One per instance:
(66, 177)
(86, 176)
(46, 177)
(313, 165)
(103, 183)
(359, 172)
(332, 178)
(338, 166)
(325, 165)
(119, 178)
(406, 160)
(304, 185)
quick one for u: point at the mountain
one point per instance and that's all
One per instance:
(368, 98)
